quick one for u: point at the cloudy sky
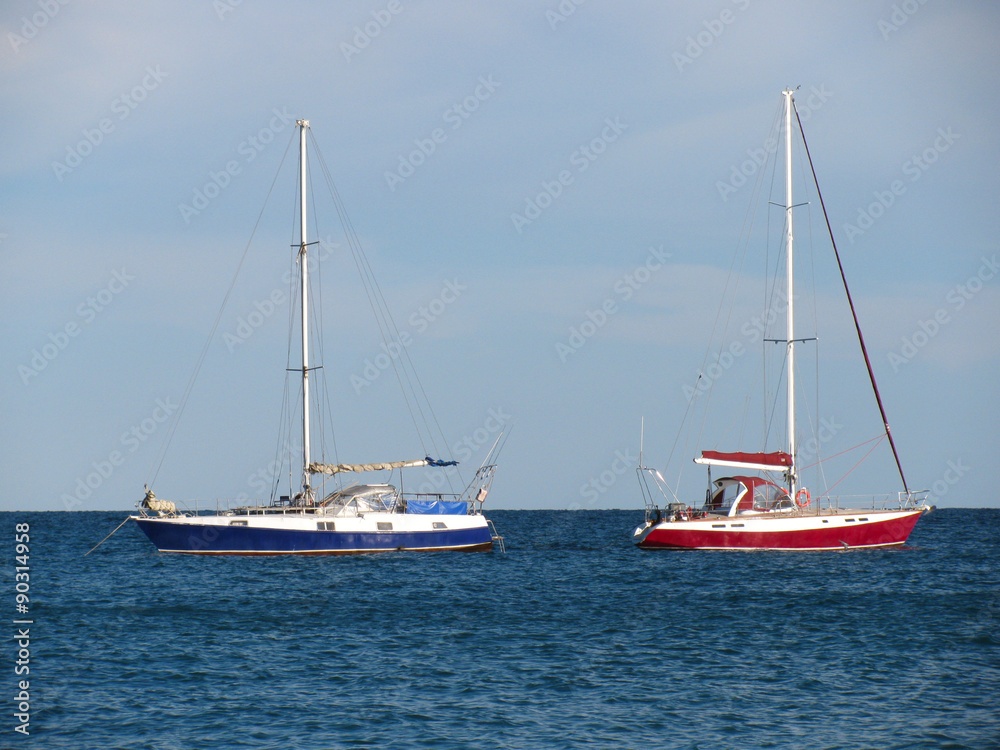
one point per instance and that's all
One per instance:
(551, 195)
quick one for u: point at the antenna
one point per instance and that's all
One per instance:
(642, 433)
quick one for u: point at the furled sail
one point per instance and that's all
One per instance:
(317, 468)
(153, 503)
(760, 461)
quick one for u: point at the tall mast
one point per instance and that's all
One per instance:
(790, 320)
(304, 274)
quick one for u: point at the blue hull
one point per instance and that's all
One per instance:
(206, 539)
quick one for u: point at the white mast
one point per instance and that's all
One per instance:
(304, 272)
(790, 320)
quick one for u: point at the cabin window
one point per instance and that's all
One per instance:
(438, 525)
(724, 498)
(384, 525)
(325, 525)
(237, 523)
(769, 497)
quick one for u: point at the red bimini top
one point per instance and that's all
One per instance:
(746, 494)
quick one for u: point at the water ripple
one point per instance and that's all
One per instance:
(572, 640)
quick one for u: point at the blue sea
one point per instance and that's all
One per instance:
(572, 639)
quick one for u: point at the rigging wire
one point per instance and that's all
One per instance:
(880, 438)
(821, 461)
(413, 391)
(815, 313)
(375, 300)
(850, 301)
(161, 456)
(323, 394)
(286, 417)
(740, 254)
(324, 409)
(279, 457)
(284, 441)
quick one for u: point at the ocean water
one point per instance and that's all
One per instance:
(572, 639)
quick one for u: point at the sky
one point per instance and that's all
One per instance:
(551, 196)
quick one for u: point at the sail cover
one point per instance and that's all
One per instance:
(758, 461)
(316, 468)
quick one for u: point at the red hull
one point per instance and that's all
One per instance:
(834, 532)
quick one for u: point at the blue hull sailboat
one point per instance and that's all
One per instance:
(352, 519)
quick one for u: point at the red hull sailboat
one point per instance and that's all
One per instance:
(772, 510)
(746, 512)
